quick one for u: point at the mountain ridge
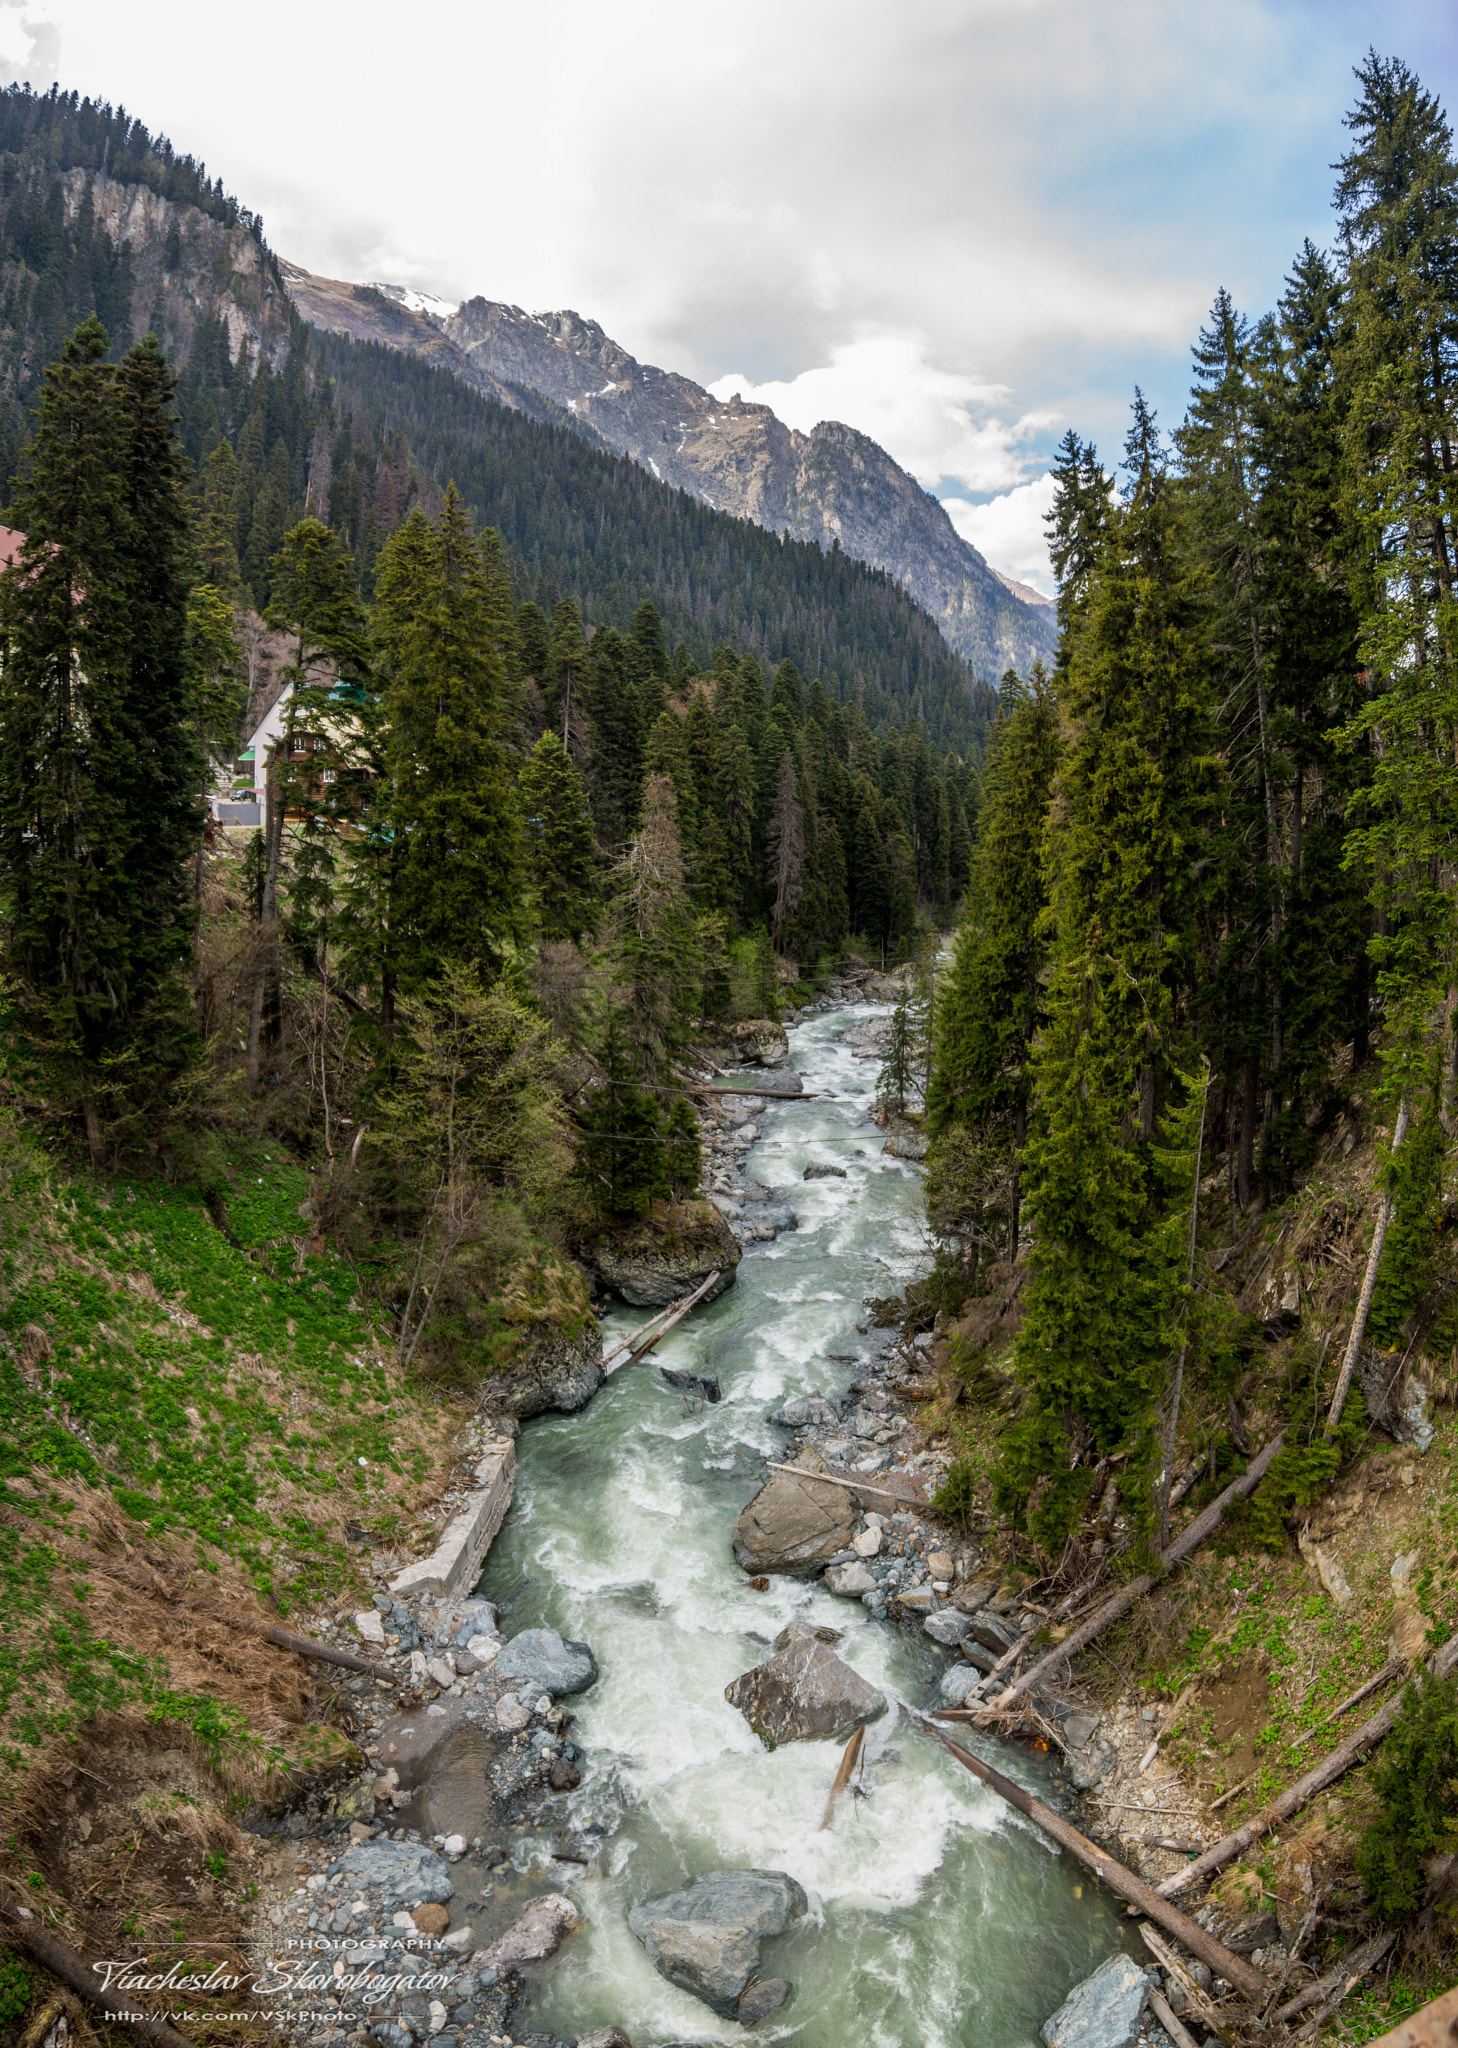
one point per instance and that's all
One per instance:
(834, 486)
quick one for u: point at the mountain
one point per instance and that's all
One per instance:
(379, 407)
(833, 486)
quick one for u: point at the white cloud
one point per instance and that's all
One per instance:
(937, 423)
(1008, 531)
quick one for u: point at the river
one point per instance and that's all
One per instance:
(937, 1917)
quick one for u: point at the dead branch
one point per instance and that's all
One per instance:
(842, 1777)
(1346, 1974)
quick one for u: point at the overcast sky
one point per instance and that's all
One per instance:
(960, 225)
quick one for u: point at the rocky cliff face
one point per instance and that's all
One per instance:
(186, 266)
(833, 486)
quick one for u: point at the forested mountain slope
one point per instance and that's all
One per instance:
(356, 430)
(830, 486)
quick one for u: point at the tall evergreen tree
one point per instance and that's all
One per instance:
(561, 859)
(100, 761)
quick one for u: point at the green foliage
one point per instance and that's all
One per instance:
(1410, 1254)
(1415, 1778)
(16, 1989)
(561, 862)
(100, 763)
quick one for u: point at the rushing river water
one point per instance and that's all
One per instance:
(937, 1916)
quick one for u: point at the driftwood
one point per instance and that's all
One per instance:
(667, 1317)
(842, 1777)
(1130, 1888)
(1295, 1796)
(1160, 2006)
(1369, 1282)
(1195, 1993)
(1343, 1978)
(63, 1962)
(1203, 1525)
(906, 1500)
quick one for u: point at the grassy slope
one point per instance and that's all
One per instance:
(223, 1393)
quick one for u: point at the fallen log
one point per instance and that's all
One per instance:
(907, 1500)
(1195, 1993)
(63, 1962)
(1389, 1670)
(1343, 1977)
(1433, 2027)
(1132, 1889)
(1160, 2006)
(1295, 1796)
(626, 1343)
(842, 1777)
(675, 1315)
(1203, 1525)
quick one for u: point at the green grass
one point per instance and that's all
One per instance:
(216, 1391)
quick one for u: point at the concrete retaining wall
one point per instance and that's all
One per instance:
(455, 1563)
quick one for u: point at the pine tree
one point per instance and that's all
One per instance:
(458, 893)
(100, 761)
(991, 1002)
(1397, 196)
(561, 859)
(785, 848)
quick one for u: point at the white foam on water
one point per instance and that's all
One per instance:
(938, 1919)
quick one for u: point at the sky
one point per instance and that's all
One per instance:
(963, 226)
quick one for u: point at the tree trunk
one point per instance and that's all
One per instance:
(267, 924)
(1246, 1167)
(1325, 1773)
(1369, 1282)
(1179, 1378)
(1203, 1525)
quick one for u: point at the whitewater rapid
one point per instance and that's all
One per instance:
(938, 1919)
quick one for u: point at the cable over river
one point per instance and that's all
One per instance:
(938, 1918)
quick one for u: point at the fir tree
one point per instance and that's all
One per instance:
(561, 859)
(100, 761)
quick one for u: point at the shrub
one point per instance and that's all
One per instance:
(1416, 1782)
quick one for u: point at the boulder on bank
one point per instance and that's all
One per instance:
(794, 1524)
(805, 1411)
(761, 1042)
(540, 1657)
(534, 1936)
(707, 1939)
(804, 1693)
(555, 1359)
(904, 1139)
(666, 1254)
(1103, 2011)
(403, 1872)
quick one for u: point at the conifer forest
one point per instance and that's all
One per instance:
(335, 1148)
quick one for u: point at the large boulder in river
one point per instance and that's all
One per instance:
(804, 1693)
(541, 1658)
(667, 1254)
(794, 1524)
(1104, 2011)
(707, 1939)
(761, 1041)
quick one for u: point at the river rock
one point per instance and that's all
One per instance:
(405, 1872)
(764, 1996)
(536, 1934)
(667, 1254)
(555, 1374)
(794, 1524)
(1103, 2011)
(825, 1173)
(918, 1600)
(760, 1041)
(851, 1581)
(604, 2037)
(784, 1081)
(541, 1658)
(991, 1631)
(947, 1628)
(973, 1596)
(957, 1685)
(869, 1543)
(804, 1693)
(904, 1140)
(707, 1939)
(806, 1412)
